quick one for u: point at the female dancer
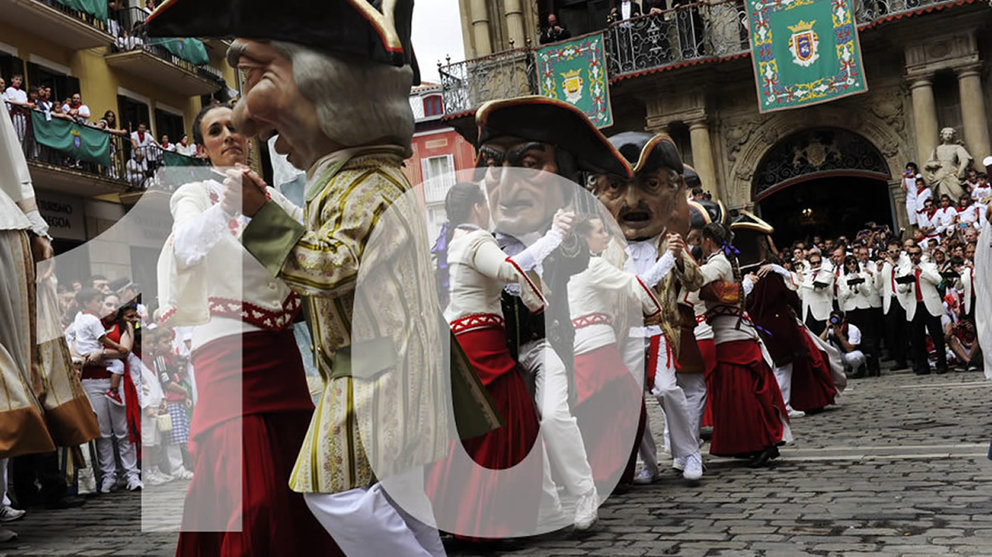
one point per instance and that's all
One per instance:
(749, 416)
(253, 406)
(478, 271)
(602, 380)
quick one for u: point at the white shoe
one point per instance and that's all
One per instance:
(182, 474)
(155, 477)
(693, 470)
(134, 484)
(586, 510)
(644, 477)
(678, 463)
(108, 485)
(10, 514)
(796, 413)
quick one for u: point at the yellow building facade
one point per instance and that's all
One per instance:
(51, 43)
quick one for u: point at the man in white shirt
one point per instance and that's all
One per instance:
(944, 215)
(817, 293)
(76, 109)
(846, 338)
(15, 94)
(918, 280)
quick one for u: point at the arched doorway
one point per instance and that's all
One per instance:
(822, 181)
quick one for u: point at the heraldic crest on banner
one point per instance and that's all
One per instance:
(575, 72)
(804, 52)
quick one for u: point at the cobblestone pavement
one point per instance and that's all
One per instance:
(898, 468)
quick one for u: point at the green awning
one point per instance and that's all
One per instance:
(96, 8)
(191, 50)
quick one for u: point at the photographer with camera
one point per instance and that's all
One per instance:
(846, 338)
(917, 283)
(854, 290)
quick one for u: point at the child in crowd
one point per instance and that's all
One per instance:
(170, 372)
(90, 336)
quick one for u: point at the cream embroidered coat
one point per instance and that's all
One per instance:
(380, 350)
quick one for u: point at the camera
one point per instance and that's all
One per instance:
(834, 320)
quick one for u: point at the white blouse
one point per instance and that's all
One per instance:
(478, 269)
(602, 290)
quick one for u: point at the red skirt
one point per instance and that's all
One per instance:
(812, 385)
(477, 493)
(707, 347)
(748, 410)
(244, 448)
(607, 412)
(264, 518)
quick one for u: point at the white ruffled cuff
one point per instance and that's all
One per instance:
(195, 238)
(535, 254)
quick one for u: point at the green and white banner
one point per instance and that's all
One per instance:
(191, 50)
(575, 72)
(804, 52)
(80, 142)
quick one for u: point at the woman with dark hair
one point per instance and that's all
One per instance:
(253, 406)
(749, 415)
(596, 298)
(478, 271)
(111, 119)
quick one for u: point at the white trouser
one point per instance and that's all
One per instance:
(113, 424)
(559, 429)
(365, 522)
(174, 456)
(694, 387)
(684, 440)
(854, 358)
(783, 375)
(4, 500)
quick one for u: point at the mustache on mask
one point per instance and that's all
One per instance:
(641, 207)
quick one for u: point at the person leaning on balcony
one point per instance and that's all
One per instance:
(15, 94)
(76, 109)
(623, 9)
(554, 32)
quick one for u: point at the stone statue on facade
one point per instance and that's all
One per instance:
(947, 165)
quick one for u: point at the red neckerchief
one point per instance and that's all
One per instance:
(931, 213)
(141, 137)
(165, 145)
(920, 190)
(183, 143)
(75, 105)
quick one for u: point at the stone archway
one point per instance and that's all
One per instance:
(878, 117)
(816, 153)
(822, 181)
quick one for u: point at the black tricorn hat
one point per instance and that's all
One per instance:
(751, 235)
(646, 152)
(356, 27)
(692, 179)
(704, 212)
(554, 122)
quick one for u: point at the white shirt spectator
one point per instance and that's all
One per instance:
(87, 330)
(83, 115)
(944, 218)
(15, 95)
(137, 172)
(969, 215)
(625, 9)
(921, 198)
(188, 150)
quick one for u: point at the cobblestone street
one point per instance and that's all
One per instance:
(898, 468)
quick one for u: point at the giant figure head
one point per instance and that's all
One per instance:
(339, 80)
(543, 140)
(653, 201)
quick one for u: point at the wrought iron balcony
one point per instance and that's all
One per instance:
(131, 168)
(148, 59)
(694, 34)
(59, 23)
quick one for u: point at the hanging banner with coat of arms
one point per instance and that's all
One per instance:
(804, 52)
(84, 143)
(575, 72)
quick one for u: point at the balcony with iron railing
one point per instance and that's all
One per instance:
(74, 170)
(61, 24)
(688, 35)
(153, 61)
